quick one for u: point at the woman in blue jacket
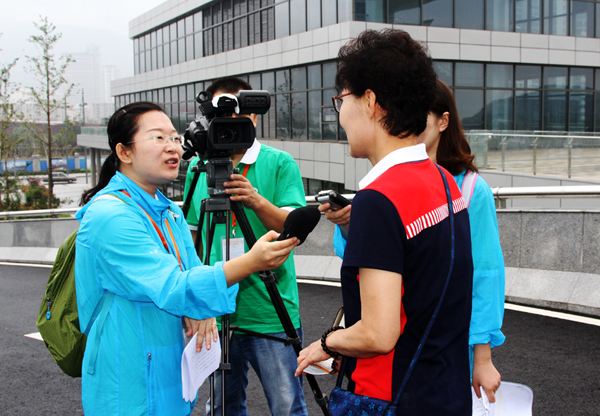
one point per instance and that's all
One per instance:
(137, 272)
(447, 145)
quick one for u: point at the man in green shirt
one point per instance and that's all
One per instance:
(270, 186)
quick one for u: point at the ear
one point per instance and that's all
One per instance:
(370, 100)
(444, 121)
(254, 118)
(124, 153)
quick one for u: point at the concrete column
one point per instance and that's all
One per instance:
(93, 163)
(98, 164)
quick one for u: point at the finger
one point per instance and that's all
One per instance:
(324, 207)
(477, 388)
(491, 395)
(199, 341)
(188, 325)
(215, 332)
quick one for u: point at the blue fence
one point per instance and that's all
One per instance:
(26, 165)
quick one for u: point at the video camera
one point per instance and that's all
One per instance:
(214, 134)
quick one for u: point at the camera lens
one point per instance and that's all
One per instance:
(226, 135)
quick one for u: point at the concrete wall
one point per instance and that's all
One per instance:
(552, 258)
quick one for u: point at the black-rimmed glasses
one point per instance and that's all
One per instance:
(337, 101)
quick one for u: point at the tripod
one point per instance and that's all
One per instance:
(217, 209)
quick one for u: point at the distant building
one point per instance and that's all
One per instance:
(513, 65)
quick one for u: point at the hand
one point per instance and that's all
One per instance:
(268, 255)
(309, 355)
(204, 328)
(241, 189)
(485, 374)
(340, 217)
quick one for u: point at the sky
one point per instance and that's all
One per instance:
(82, 23)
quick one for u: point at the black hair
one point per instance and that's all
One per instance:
(122, 126)
(229, 85)
(398, 70)
(453, 151)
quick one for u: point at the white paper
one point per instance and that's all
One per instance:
(197, 366)
(512, 399)
(320, 368)
(236, 247)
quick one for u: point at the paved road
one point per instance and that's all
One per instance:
(558, 359)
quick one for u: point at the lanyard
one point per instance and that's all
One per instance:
(160, 234)
(234, 221)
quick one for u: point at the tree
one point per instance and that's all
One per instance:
(49, 72)
(8, 115)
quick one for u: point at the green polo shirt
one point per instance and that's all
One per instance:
(276, 176)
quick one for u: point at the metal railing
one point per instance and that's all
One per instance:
(537, 152)
(500, 193)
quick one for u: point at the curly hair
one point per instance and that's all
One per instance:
(453, 151)
(398, 70)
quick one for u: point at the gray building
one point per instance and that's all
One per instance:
(520, 65)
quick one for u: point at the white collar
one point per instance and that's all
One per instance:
(251, 154)
(404, 155)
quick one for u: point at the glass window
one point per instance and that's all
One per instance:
(468, 14)
(283, 116)
(159, 37)
(499, 76)
(499, 109)
(555, 77)
(244, 31)
(270, 24)
(216, 13)
(153, 38)
(444, 71)
(237, 8)
(147, 41)
(198, 22)
(198, 45)
(369, 11)
(470, 108)
(189, 47)
(299, 118)
(581, 111)
(189, 25)
(314, 76)
(254, 80)
(528, 16)
(160, 57)
(329, 12)
(136, 64)
(329, 71)
(597, 23)
(555, 110)
(153, 59)
(299, 79)
(469, 75)
(528, 76)
(282, 79)
(237, 33)
(582, 19)
(344, 11)
(148, 61)
(227, 10)
(282, 16)
(527, 110)
(581, 79)
(329, 131)
(314, 15)
(189, 92)
(167, 54)
(167, 95)
(499, 15)
(314, 115)
(298, 10)
(437, 13)
(406, 12)
(555, 17)
(268, 82)
(181, 50)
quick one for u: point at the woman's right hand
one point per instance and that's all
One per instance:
(268, 255)
(265, 254)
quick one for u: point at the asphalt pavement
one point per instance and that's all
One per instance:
(558, 359)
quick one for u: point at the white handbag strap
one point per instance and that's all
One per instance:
(468, 186)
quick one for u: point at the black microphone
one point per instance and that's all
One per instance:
(300, 222)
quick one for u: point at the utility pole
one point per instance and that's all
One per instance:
(82, 105)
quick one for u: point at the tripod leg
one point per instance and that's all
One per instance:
(269, 280)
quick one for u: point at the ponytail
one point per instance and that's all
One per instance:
(109, 168)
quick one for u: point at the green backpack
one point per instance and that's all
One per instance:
(58, 319)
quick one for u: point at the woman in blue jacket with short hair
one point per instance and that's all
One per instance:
(137, 273)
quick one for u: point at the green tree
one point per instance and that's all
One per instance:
(8, 115)
(52, 89)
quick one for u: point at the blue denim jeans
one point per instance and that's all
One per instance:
(274, 363)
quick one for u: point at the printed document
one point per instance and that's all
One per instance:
(197, 366)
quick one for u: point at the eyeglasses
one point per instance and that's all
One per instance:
(338, 101)
(163, 140)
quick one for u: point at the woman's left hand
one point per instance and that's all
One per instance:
(309, 355)
(485, 373)
(205, 328)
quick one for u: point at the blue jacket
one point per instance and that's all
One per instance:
(138, 363)
(487, 311)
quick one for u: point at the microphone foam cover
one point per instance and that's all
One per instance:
(300, 222)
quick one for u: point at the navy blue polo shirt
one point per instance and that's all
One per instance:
(400, 223)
